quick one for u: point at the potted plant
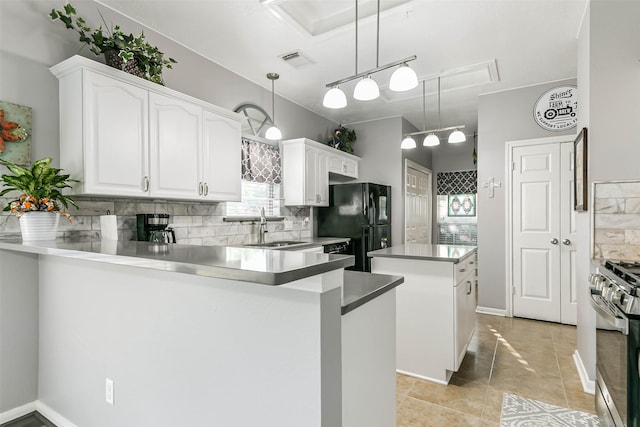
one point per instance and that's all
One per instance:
(41, 201)
(342, 139)
(127, 52)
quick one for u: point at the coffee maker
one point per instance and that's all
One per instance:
(154, 228)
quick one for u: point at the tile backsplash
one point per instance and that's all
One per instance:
(616, 221)
(194, 222)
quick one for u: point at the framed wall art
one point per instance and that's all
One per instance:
(462, 205)
(15, 140)
(580, 185)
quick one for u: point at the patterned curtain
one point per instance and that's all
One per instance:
(462, 182)
(260, 162)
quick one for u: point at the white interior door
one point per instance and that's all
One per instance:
(418, 205)
(568, 292)
(543, 233)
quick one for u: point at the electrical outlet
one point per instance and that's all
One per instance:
(109, 391)
(288, 224)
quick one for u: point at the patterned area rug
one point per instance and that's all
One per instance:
(522, 412)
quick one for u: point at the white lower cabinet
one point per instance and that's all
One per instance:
(435, 314)
(124, 136)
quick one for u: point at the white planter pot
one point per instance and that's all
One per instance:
(38, 225)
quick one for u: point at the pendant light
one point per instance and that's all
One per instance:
(431, 139)
(408, 143)
(334, 98)
(402, 79)
(273, 133)
(457, 136)
(366, 89)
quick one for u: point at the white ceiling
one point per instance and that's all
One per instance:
(518, 42)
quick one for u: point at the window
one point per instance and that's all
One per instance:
(261, 178)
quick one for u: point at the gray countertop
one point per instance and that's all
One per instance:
(448, 253)
(261, 266)
(360, 288)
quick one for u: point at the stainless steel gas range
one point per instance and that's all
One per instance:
(615, 295)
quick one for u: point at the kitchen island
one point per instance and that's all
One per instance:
(187, 335)
(435, 306)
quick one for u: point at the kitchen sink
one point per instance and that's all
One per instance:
(277, 244)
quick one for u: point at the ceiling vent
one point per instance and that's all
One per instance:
(296, 59)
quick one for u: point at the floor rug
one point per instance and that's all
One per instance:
(518, 411)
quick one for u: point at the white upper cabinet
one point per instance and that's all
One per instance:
(176, 140)
(114, 139)
(306, 165)
(221, 158)
(124, 136)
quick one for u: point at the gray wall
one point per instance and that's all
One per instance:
(502, 117)
(18, 330)
(608, 67)
(378, 144)
(31, 43)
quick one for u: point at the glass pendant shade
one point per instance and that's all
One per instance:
(366, 90)
(334, 98)
(431, 140)
(408, 143)
(273, 133)
(457, 136)
(403, 79)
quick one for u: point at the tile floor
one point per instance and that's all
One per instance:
(530, 358)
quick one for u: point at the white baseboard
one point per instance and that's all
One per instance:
(589, 386)
(422, 377)
(18, 412)
(43, 409)
(53, 416)
(491, 311)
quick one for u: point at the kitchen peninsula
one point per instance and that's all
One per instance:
(435, 306)
(188, 335)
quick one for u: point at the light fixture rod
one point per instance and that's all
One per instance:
(273, 77)
(433, 130)
(378, 38)
(356, 36)
(424, 107)
(439, 124)
(372, 71)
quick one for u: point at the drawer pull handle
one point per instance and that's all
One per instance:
(462, 270)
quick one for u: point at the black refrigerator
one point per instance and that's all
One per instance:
(362, 212)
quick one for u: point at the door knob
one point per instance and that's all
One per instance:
(554, 241)
(566, 242)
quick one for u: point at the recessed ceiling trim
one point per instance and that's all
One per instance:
(318, 17)
(455, 79)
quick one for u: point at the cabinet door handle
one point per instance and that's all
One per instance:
(469, 291)
(145, 184)
(554, 241)
(200, 188)
(566, 242)
(206, 189)
(462, 270)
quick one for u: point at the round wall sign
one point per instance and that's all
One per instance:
(557, 109)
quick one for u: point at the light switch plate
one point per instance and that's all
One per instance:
(288, 224)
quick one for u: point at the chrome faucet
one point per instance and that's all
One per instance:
(263, 227)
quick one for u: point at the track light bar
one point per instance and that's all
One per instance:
(423, 132)
(372, 71)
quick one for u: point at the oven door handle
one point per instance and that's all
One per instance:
(620, 323)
